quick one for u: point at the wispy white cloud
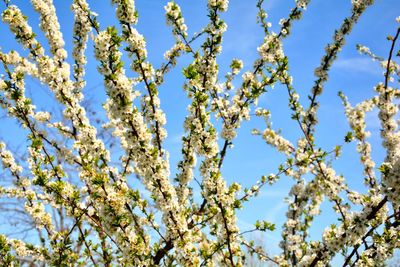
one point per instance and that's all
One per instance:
(274, 214)
(372, 120)
(244, 225)
(365, 65)
(270, 4)
(175, 139)
(276, 194)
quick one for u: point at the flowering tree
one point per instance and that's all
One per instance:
(86, 208)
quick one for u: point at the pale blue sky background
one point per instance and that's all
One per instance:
(352, 73)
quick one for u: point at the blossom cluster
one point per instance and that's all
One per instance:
(175, 18)
(82, 27)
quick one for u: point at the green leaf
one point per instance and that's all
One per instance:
(349, 137)
(190, 72)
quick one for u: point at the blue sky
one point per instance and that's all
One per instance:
(352, 73)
